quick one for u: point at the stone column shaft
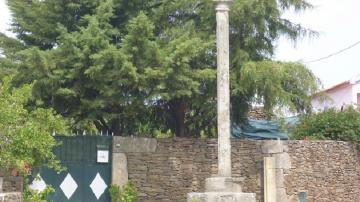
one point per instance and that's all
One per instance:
(223, 187)
(223, 87)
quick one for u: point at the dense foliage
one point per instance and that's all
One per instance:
(128, 193)
(330, 125)
(148, 66)
(25, 135)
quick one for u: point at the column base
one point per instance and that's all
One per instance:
(221, 189)
(221, 197)
(222, 184)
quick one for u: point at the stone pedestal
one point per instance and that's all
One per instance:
(221, 197)
(221, 189)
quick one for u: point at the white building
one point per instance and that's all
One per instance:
(344, 94)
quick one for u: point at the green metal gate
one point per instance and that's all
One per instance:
(88, 174)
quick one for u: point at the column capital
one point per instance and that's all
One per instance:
(222, 5)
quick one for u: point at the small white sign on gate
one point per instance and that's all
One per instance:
(103, 156)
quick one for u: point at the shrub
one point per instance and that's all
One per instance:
(25, 134)
(35, 196)
(330, 125)
(127, 193)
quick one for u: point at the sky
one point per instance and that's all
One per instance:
(4, 16)
(338, 25)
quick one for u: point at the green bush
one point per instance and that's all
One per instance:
(25, 133)
(127, 193)
(35, 196)
(330, 125)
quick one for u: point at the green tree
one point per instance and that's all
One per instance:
(140, 67)
(35, 21)
(25, 137)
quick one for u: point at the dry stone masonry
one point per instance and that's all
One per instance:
(168, 169)
(10, 187)
(11, 197)
(325, 170)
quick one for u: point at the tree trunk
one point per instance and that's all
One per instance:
(177, 108)
(116, 126)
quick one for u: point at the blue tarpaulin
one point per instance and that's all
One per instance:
(263, 129)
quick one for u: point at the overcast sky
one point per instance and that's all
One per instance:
(4, 16)
(337, 21)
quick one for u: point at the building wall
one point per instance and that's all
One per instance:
(336, 99)
(325, 170)
(356, 93)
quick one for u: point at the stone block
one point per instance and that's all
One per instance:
(269, 163)
(279, 173)
(281, 195)
(269, 179)
(271, 147)
(221, 197)
(221, 184)
(282, 161)
(119, 175)
(11, 197)
(129, 144)
(285, 147)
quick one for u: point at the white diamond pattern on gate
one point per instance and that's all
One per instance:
(68, 186)
(98, 186)
(38, 184)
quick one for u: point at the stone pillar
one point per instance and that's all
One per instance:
(119, 170)
(269, 179)
(275, 165)
(223, 187)
(222, 8)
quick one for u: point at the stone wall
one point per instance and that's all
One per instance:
(168, 169)
(11, 197)
(10, 184)
(179, 166)
(326, 170)
(10, 187)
